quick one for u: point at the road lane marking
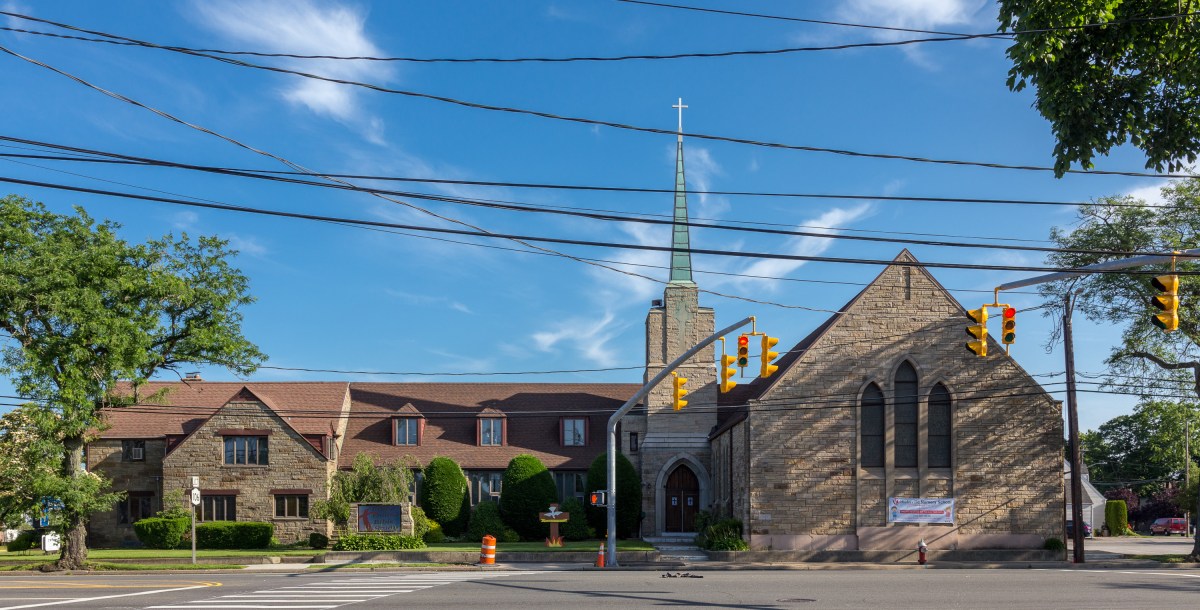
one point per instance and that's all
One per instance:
(92, 599)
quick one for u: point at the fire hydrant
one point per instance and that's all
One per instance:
(921, 548)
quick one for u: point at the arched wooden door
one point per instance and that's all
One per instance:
(682, 499)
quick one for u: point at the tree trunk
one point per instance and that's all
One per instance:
(73, 555)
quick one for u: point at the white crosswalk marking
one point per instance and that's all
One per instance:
(338, 592)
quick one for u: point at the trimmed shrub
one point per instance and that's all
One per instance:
(576, 527)
(508, 535)
(1054, 544)
(23, 542)
(234, 535)
(444, 494)
(1116, 517)
(629, 496)
(435, 533)
(317, 540)
(162, 532)
(528, 489)
(485, 519)
(722, 535)
(378, 542)
(420, 522)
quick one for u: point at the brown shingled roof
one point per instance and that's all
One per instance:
(311, 407)
(532, 412)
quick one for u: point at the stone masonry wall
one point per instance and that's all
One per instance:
(807, 489)
(294, 464)
(104, 457)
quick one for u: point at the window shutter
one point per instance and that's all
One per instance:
(420, 431)
(394, 422)
(562, 431)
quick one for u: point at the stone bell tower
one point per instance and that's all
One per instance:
(674, 452)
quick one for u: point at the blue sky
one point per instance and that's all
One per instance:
(335, 297)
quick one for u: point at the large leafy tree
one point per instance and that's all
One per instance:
(1147, 360)
(1135, 81)
(1143, 449)
(28, 454)
(82, 310)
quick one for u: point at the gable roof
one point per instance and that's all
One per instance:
(532, 412)
(309, 407)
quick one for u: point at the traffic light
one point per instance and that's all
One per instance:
(979, 331)
(1168, 301)
(599, 498)
(677, 400)
(766, 369)
(743, 357)
(1009, 325)
(727, 372)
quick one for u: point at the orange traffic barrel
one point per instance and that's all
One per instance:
(487, 553)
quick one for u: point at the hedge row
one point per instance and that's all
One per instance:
(378, 542)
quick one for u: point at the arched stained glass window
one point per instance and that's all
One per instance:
(872, 427)
(939, 427)
(905, 389)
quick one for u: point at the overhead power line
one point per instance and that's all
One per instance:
(559, 117)
(558, 240)
(611, 217)
(122, 159)
(940, 37)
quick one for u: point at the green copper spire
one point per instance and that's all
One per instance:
(681, 258)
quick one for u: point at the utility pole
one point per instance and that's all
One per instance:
(1187, 464)
(1069, 354)
(611, 559)
(1073, 435)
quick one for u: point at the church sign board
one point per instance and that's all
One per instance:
(921, 510)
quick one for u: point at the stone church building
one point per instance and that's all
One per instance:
(881, 401)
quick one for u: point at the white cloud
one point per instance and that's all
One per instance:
(588, 337)
(826, 223)
(185, 220)
(936, 15)
(308, 28)
(425, 299)
(13, 22)
(1151, 193)
(246, 244)
(627, 288)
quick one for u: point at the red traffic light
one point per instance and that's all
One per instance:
(743, 353)
(1009, 313)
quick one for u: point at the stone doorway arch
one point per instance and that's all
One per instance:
(681, 491)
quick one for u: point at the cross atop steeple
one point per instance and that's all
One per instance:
(680, 106)
(681, 258)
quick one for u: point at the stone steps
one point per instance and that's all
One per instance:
(678, 548)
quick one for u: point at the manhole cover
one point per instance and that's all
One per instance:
(795, 600)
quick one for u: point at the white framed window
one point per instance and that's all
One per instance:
(491, 431)
(408, 431)
(574, 431)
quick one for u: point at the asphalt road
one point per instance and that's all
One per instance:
(902, 588)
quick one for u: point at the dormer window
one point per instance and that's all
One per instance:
(573, 431)
(491, 431)
(407, 431)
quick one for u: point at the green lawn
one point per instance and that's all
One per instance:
(102, 554)
(14, 566)
(584, 545)
(1162, 558)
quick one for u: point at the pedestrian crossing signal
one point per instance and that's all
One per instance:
(978, 331)
(1009, 325)
(1168, 302)
(678, 393)
(598, 498)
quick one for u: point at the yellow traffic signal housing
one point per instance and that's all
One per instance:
(979, 331)
(766, 369)
(678, 393)
(1009, 334)
(1168, 302)
(727, 372)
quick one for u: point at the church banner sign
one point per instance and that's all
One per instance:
(921, 510)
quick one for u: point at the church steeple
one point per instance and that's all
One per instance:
(681, 258)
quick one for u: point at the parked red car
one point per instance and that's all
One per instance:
(1168, 526)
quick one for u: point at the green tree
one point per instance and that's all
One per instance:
(84, 310)
(365, 482)
(629, 496)
(1100, 87)
(444, 495)
(1144, 448)
(527, 489)
(28, 454)
(1147, 361)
